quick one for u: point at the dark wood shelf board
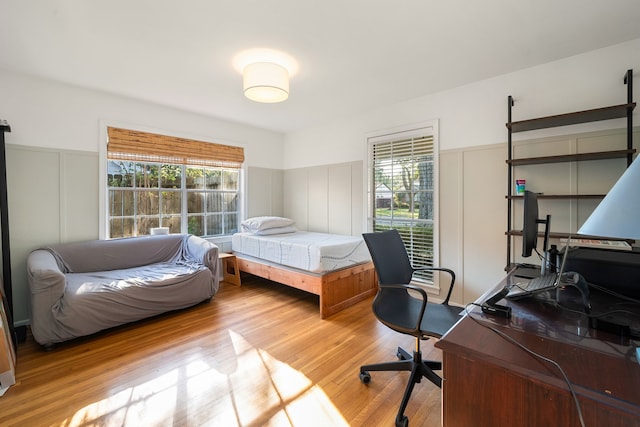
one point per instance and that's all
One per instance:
(563, 235)
(562, 196)
(594, 115)
(600, 155)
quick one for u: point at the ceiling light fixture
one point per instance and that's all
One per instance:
(265, 82)
(266, 73)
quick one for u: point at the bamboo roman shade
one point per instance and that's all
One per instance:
(139, 146)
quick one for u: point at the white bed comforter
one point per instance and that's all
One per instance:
(305, 250)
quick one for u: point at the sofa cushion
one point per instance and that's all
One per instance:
(99, 255)
(104, 299)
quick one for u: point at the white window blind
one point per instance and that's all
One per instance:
(402, 192)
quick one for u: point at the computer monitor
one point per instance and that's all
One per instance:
(530, 225)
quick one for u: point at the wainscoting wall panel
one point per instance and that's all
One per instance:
(53, 197)
(326, 199)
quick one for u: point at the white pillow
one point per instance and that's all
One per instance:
(260, 223)
(276, 230)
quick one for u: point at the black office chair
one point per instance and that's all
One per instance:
(404, 308)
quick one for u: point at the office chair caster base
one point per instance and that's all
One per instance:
(365, 377)
(403, 354)
(402, 422)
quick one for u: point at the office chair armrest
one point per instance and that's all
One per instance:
(416, 288)
(423, 299)
(446, 270)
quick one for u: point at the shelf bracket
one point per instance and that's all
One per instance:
(628, 80)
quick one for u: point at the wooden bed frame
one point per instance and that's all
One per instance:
(337, 289)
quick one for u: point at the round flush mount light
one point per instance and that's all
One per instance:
(265, 82)
(265, 73)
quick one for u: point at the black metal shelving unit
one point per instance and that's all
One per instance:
(578, 117)
(7, 290)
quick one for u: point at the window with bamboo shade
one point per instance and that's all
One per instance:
(159, 181)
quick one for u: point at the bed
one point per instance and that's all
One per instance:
(337, 268)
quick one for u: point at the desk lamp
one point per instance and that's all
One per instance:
(618, 214)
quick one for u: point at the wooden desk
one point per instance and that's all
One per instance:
(489, 381)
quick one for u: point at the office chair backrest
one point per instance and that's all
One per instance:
(390, 257)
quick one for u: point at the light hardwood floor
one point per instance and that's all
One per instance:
(258, 355)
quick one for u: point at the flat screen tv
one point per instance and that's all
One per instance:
(530, 225)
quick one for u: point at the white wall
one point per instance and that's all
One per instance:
(48, 114)
(472, 144)
(475, 114)
(265, 187)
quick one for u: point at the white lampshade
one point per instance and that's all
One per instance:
(618, 214)
(266, 82)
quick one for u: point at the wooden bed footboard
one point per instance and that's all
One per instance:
(337, 289)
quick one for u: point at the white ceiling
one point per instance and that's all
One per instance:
(353, 55)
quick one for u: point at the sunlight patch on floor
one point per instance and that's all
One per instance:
(152, 402)
(260, 391)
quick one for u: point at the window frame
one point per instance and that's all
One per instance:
(417, 130)
(103, 212)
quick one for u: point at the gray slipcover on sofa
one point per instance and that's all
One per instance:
(83, 287)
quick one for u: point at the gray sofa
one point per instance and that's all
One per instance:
(83, 287)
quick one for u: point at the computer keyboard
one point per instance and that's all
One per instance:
(536, 284)
(527, 271)
(541, 282)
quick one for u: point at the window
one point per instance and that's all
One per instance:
(402, 192)
(159, 181)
